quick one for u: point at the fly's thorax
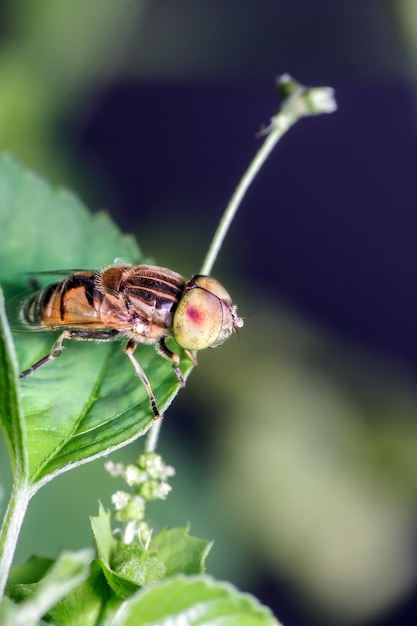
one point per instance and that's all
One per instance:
(139, 300)
(159, 282)
(205, 316)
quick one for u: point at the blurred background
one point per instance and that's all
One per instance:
(295, 446)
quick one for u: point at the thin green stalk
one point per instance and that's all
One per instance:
(10, 530)
(152, 438)
(298, 102)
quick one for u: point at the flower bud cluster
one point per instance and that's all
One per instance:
(148, 480)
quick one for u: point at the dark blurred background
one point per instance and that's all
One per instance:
(296, 446)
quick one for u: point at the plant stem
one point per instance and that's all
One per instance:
(152, 437)
(298, 102)
(10, 530)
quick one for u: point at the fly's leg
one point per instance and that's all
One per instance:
(80, 335)
(192, 357)
(129, 350)
(163, 350)
(54, 354)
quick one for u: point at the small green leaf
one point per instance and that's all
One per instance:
(193, 601)
(30, 572)
(134, 564)
(80, 607)
(89, 401)
(84, 604)
(8, 610)
(181, 552)
(67, 573)
(128, 567)
(106, 544)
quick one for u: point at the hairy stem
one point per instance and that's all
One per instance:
(152, 438)
(10, 530)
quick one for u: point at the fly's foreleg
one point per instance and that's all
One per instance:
(129, 350)
(163, 350)
(54, 354)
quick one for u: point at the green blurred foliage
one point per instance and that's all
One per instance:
(54, 56)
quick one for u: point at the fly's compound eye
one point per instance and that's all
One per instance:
(205, 316)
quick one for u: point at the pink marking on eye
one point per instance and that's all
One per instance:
(195, 315)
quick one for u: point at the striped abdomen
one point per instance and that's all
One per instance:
(71, 302)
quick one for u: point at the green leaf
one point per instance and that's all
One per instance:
(106, 544)
(80, 607)
(44, 228)
(89, 401)
(84, 604)
(103, 535)
(11, 414)
(133, 564)
(67, 573)
(192, 601)
(128, 567)
(7, 610)
(125, 566)
(30, 572)
(180, 551)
